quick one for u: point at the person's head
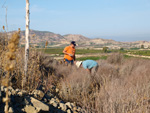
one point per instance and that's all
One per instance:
(78, 63)
(73, 44)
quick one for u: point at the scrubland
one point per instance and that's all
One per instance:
(120, 85)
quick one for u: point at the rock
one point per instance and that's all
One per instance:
(5, 89)
(57, 90)
(30, 109)
(57, 100)
(26, 101)
(10, 110)
(38, 104)
(69, 105)
(23, 109)
(75, 112)
(73, 104)
(45, 100)
(63, 106)
(55, 104)
(74, 108)
(13, 92)
(2, 88)
(43, 88)
(52, 101)
(20, 93)
(10, 88)
(17, 90)
(38, 94)
(68, 111)
(9, 93)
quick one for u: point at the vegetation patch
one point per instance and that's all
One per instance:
(144, 53)
(93, 58)
(60, 51)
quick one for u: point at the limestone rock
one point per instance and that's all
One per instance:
(17, 90)
(69, 105)
(2, 88)
(38, 104)
(10, 110)
(57, 90)
(74, 108)
(30, 109)
(53, 102)
(13, 92)
(63, 106)
(68, 111)
(20, 93)
(38, 94)
(10, 88)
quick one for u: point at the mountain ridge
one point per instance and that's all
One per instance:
(40, 37)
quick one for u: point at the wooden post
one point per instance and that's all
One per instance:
(27, 41)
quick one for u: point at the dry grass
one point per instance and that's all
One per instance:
(120, 85)
(38, 66)
(8, 63)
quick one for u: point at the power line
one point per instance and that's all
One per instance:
(4, 3)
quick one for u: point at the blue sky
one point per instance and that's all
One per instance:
(120, 20)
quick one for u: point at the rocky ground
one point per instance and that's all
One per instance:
(36, 102)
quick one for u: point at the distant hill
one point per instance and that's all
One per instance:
(56, 40)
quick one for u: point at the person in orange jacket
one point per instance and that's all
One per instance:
(69, 53)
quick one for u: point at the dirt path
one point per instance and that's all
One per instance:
(140, 56)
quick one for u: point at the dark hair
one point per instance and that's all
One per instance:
(73, 42)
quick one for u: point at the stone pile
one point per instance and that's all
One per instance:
(35, 102)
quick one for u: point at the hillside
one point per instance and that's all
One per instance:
(38, 38)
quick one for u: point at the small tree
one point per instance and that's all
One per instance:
(121, 49)
(142, 46)
(105, 49)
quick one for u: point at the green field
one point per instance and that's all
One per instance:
(59, 51)
(143, 52)
(92, 58)
(78, 51)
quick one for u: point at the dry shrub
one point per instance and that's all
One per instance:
(3, 41)
(74, 87)
(116, 58)
(107, 70)
(39, 70)
(130, 92)
(115, 88)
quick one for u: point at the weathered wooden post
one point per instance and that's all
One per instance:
(27, 41)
